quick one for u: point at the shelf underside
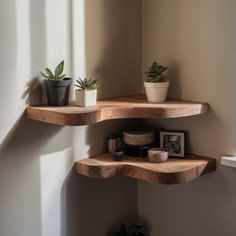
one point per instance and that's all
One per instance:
(174, 171)
(115, 108)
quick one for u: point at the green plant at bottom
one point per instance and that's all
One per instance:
(133, 230)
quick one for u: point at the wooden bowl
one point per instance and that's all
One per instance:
(138, 138)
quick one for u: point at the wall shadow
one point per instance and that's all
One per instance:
(175, 82)
(97, 134)
(20, 174)
(33, 92)
(92, 205)
(115, 57)
(183, 200)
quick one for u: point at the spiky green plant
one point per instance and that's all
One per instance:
(57, 75)
(133, 230)
(155, 73)
(86, 84)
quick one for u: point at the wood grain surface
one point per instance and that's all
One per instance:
(174, 171)
(116, 108)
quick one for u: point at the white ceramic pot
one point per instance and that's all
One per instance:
(156, 92)
(85, 98)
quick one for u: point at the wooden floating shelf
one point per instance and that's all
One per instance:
(174, 171)
(115, 108)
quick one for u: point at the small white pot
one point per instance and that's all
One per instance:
(157, 155)
(85, 98)
(156, 92)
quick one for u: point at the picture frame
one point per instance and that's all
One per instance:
(173, 142)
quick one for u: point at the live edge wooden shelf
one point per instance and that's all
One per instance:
(115, 108)
(174, 171)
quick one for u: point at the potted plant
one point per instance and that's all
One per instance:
(156, 83)
(133, 230)
(86, 94)
(57, 86)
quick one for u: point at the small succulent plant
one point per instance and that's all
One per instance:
(133, 230)
(155, 73)
(57, 75)
(86, 84)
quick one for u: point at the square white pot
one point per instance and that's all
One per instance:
(86, 98)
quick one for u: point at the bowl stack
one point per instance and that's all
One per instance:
(137, 143)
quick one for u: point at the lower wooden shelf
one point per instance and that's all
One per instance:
(174, 171)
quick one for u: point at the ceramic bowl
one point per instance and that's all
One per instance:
(157, 155)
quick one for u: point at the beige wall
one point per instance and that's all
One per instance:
(197, 40)
(113, 45)
(40, 194)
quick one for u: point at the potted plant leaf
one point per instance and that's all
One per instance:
(156, 83)
(86, 94)
(57, 86)
(133, 230)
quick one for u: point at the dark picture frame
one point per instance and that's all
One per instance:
(173, 142)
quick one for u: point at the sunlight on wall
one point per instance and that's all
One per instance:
(23, 49)
(58, 35)
(14, 61)
(80, 146)
(53, 171)
(80, 149)
(78, 38)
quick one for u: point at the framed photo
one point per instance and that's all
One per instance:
(173, 142)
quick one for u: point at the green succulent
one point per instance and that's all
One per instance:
(57, 75)
(133, 230)
(155, 73)
(86, 84)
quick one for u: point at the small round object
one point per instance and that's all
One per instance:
(157, 155)
(118, 155)
(138, 138)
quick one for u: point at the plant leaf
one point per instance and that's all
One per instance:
(44, 75)
(59, 69)
(162, 69)
(79, 82)
(86, 83)
(94, 82)
(50, 74)
(61, 77)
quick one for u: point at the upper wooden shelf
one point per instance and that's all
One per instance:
(174, 171)
(115, 108)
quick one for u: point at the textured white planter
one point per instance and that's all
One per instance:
(156, 92)
(86, 98)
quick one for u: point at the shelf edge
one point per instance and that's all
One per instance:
(103, 167)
